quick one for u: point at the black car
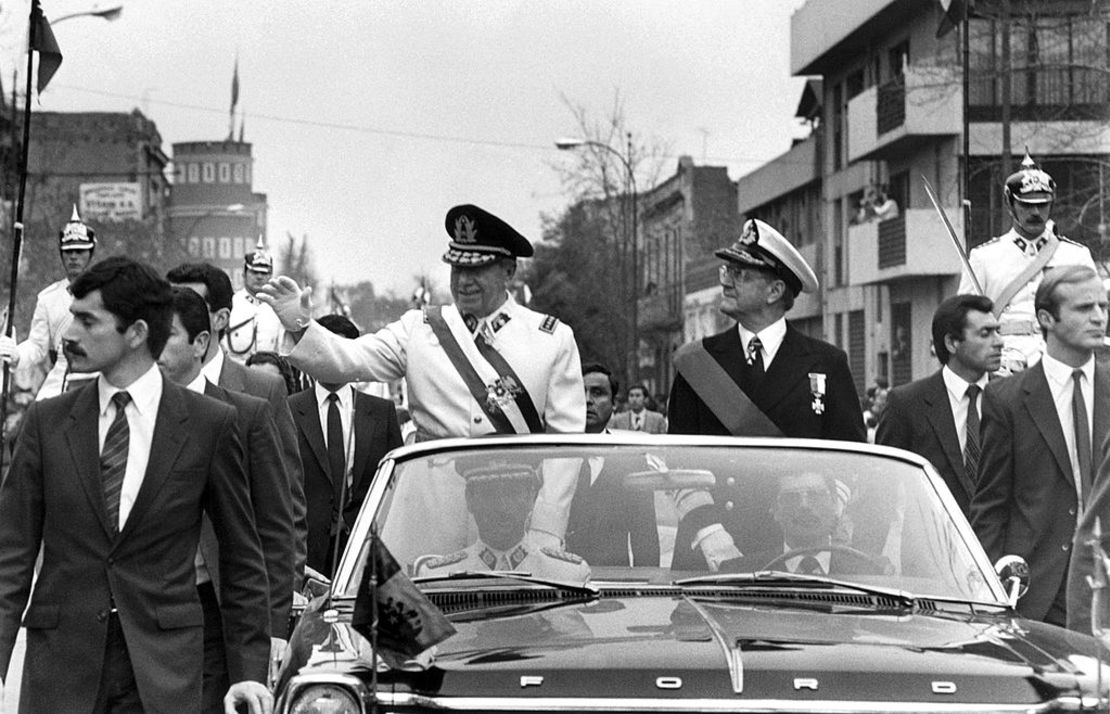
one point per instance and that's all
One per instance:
(785, 575)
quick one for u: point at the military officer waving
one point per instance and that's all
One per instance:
(1010, 267)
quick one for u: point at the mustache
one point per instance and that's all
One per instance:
(72, 348)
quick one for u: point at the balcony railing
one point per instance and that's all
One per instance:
(892, 242)
(891, 107)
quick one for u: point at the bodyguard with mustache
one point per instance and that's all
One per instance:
(1010, 267)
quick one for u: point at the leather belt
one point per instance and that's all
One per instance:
(1018, 327)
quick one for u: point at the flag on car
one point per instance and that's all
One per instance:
(407, 622)
(43, 42)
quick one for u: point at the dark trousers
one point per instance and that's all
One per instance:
(118, 693)
(216, 679)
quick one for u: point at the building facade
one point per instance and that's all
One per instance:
(216, 216)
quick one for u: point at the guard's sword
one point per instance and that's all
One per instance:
(952, 234)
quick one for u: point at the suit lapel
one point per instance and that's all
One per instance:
(362, 429)
(84, 448)
(231, 376)
(938, 412)
(790, 366)
(308, 418)
(170, 427)
(1042, 411)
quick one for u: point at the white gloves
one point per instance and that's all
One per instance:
(8, 350)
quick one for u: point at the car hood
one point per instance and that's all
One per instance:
(725, 648)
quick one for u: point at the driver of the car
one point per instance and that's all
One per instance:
(807, 510)
(500, 496)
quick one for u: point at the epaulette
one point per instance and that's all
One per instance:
(562, 555)
(445, 560)
(992, 241)
(548, 324)
(1064, 239)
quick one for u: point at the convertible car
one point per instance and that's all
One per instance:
(629, 573)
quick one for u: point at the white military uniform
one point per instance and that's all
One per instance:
(539, 562)
(256, 327)
(996, 264)
(51, 318)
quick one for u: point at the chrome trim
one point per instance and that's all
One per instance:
(300, 682)
(668, 682)
(809, 683)
(476, 704)
(733, 656)
(944, 687)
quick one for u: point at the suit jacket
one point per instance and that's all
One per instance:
(605, 519)
(1025, 502)
(54, 497)
(271, 503)
(236, 377)
(784, 394)
(840, 563)
(654, 422)
(918, 418)
(376, 432)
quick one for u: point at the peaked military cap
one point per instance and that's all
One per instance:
(484, 469)
(478, 238)
(75, 235)
(259, 260)
(761, 246)
(1030, 184)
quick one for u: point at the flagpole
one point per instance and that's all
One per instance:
(373, 616)
(17, 225)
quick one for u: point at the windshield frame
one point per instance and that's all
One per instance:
(348, 565)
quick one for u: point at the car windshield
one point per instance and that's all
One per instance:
(661, 514)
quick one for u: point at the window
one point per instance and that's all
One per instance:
(194, 173)
(839, 129)
(194, 246)
(238, 247)
(898, 57)
(179, 173)
(237, 173)
(209, 247)
(208, 172)
(225, 247)
(225, 172)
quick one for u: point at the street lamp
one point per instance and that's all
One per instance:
(570, 144)
(109, 14)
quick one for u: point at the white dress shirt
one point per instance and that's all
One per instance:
(771, 337)
(142, 412)
(1060, 382)
(213, 368)
(956, 387)
(346, 405)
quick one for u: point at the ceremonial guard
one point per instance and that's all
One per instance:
(76, 243)
(1010, 267)
(760, 377)
(484, 365)
(253, 326)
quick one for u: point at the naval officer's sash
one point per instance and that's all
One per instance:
(505, 400)
(720, 393)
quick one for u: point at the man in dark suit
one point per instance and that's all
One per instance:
(214, 286)
(110, 481)
(335, 471)
(759, 378)
(931, 416)
(180, 361)
(1039, 427)
(608, 524)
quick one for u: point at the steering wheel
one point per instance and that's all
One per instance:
(876, 561)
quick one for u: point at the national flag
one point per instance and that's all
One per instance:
(234, 101)
(407, 622)
(955, 12)
(43, 42)
(242, 123)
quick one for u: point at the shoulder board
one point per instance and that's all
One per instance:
(985, 243)
(548, 324)
(1064, 239)
(444, 560)
(562, 555)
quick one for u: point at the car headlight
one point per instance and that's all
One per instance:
(325, 699)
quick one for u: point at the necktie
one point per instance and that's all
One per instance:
(636, 424)
(755, 356)
(1082, 433)
(113, 458)
(810, 566)
(337, 455)
(971, 435)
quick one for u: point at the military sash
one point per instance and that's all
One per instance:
(1043, 256)
(721, 394)
(492, 398)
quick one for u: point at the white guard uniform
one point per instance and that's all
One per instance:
(51, 318)
(542, 563)
(258, 328)
(997, 263)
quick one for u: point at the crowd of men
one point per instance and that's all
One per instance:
(178, 496)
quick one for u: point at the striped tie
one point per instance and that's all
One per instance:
(113, 458)
(972, 448)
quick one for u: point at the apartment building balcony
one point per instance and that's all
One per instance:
(891, 119)
(913, 244)
(661, 310)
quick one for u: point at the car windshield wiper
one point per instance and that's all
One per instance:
(524, 577)
(777, 577)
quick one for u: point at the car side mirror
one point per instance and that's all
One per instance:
(1013, 571)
